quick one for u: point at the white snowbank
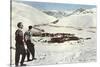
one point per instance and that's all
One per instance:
(87, 20)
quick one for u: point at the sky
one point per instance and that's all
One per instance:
(56, 6)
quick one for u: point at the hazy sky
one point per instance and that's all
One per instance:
(56, 6)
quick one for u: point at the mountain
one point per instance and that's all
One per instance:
(79, 18)
(28, 15)
(84, 11)
(57, 14)
(66, 13)
(87, 20)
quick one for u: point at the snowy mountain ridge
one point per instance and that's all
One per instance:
(60, 14)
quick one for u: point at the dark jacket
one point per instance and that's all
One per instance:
(19, 36)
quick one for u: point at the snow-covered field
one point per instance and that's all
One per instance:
(81, 25)
(69, 51)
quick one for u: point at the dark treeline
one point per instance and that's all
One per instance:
(53, 34)
(58, 37)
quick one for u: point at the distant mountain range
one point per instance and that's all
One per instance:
(60, 14)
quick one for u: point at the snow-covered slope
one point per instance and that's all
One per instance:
(86, 18)
(28, 15)
(78, 21)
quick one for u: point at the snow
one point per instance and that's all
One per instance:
(28, 15)
(77, 18)
(87, 20)
(58, 14)
(67, 52)
(65, 13)
(81, 25)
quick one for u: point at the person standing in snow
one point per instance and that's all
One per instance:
(30, 45)
(20, 49)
